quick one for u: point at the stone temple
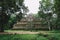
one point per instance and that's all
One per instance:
(30, 22)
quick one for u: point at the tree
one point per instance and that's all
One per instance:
(57, 11)
(10, 12)
(46, 12)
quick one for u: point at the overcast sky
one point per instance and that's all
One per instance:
(33, 5)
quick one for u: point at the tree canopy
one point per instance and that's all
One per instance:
(10, 12)
(46, 11)
(57, 11)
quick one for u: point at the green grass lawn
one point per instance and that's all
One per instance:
(30, 37)
(40, 36)
(22, 37)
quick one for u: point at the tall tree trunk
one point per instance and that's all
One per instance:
(1, 28)
(49, 26)
(48, 21)
(2, 16)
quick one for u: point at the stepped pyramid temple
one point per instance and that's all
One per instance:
(29, 22)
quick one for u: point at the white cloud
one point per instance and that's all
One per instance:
(32, 5)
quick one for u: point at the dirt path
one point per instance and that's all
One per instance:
(22, 32)
(26, 32)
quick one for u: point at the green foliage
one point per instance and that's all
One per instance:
(46, 12)
(54, 36)
(57, 10)
(42, 38)
(45, 7)
(10, 12)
